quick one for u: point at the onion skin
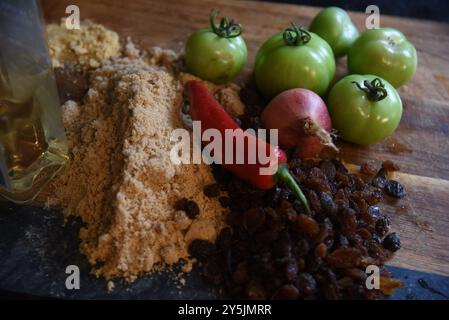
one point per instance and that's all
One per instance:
(292, 112)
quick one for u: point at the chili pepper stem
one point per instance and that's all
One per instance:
(284, 175)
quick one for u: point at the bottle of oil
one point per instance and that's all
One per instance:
(32, 141)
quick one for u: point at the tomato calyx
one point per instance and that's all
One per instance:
(375, 90)
(226, 28)
(296, 35)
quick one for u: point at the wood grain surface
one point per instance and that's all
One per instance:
(420, 145)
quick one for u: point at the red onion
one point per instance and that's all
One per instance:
(302, 119)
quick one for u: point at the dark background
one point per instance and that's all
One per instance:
(421, 9)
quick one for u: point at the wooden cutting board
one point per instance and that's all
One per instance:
(420, 145)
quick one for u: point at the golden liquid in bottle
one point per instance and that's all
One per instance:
(32, 145)
(21, 136)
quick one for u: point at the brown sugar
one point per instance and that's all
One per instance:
(87, 46)
(121, 181)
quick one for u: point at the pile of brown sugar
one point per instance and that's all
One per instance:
(120, 180)
(88, 46)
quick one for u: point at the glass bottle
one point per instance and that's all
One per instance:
(32, 141)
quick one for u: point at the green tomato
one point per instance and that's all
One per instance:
(335, 26)
(364, 109)
(294, 58)
(217, 53)
(386, 53)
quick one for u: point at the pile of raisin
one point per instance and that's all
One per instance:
(273, 249)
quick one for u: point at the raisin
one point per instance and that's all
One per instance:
(364, 233)
(299, 174)
(253, 219)
(313, 263)
(285, 194)
(192, 210)
(282, 247)
(356, 274)
(240, 276)
(308, 164)
(283, 207)
(291, 214)
(339, 166)
(345, 258)
(329, 242)
(342, 178)
(224, 201)
(346, 282)
(201, 249)
(224, 239)
(383, 226)
(300, 263)
(348, 220)
(314, 201)
(380, 180)
(320, 250)
(328, 168)
(181, 204)
(308, 225)
(317, 181)
(325, 231)
(374, 212)
(357, 182)
(390, 165)
(189, 206)
(298, 206)
(368, 168)
(212, 190)
(377, 239)
(255, 291)
(286, 292)
(290, 270)
(375, 250)
(306, 284)
(392, 242)
(302, 247)
(328, 204)
(273, 196)
(341, 199)
(395, 189)
(295, 163)
(342, 241)
(372, 195)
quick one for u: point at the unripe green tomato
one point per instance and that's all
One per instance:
(335, 26)
(280, 66)
(384, 52)
(361, 115)
(212, 54)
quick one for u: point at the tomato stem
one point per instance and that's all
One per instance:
(375, 90)
(296, 35)
(284, 175)
(226, 28)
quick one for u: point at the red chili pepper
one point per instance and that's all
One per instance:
(206, 109)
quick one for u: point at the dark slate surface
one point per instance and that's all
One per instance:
(36, 247)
